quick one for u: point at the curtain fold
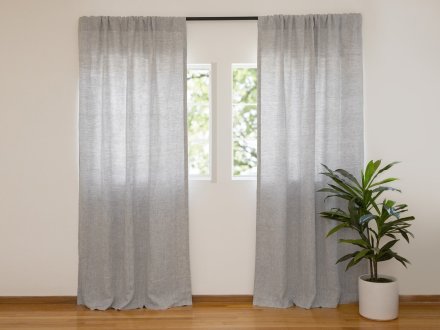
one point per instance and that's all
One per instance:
(310, 112)
(133, 201)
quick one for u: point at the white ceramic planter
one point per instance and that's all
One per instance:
(378, 301)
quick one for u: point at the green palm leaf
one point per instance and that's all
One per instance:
(371, 220)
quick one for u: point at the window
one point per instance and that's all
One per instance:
(244, 120)
(199, 120)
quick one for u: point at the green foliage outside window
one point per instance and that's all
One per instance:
(244, 129)
(198, 121)
(244, 112)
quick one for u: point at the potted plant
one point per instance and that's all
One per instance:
(379, 226)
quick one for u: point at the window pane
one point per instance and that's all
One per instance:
(198, 86)
(244, 124)
(244, 85)
(198, 121)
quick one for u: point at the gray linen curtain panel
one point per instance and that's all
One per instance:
(310, 112)
(133, 211)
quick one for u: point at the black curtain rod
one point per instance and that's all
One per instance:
(223, 18)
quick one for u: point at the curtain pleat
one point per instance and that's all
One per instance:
(133, 201)
(310, 112)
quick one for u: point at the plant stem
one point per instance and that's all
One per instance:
(369, 260)
(375, 270)
(375, 260)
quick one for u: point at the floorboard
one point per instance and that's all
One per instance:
(209, 315)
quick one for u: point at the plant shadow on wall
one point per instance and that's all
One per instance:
(374, 222)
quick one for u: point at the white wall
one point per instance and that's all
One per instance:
(38, 140)
(222, 211)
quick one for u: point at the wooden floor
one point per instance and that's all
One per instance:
(64, 314)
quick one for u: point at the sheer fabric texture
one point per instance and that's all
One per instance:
(133, 202)
(310, 112)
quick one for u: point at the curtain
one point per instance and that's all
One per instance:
(310, 112)
(133, 199)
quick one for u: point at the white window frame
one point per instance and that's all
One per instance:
(211, 175)
(248, 177)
